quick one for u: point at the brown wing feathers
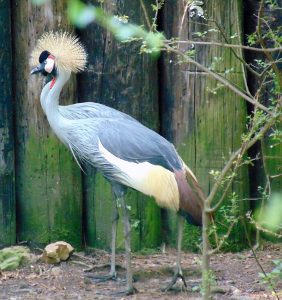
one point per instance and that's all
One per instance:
(191, 197)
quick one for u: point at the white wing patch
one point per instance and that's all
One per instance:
(149, 179)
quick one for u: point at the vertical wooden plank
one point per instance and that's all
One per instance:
(120, 77)
(271, 149)
(270, 152)
(7, 174)
(48, 181)
(206, 127)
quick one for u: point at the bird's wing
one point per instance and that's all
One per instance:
(133, 142)
(90, 110)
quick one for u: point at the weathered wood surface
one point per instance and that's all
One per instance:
(7, 174)
(120, 77)
(270, 152)
(48, 184)
(271, 149)
(205, 126)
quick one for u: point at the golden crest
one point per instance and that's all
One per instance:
(69, 53)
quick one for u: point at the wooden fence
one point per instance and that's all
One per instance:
(43, 195)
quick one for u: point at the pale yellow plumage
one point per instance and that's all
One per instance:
(69, 53)
(149, 179)
(161, 184)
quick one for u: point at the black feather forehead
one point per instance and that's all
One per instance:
(43, 56)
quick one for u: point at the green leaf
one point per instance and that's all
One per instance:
(80, 14)
(271, 218)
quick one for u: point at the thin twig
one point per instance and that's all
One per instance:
(261, 228)
(219, 78)
(263, 44)
(183, 17)
(258, 263)
(226, 236)
(212, 43)
(234, 156)
(215, 233)
(244, 64)
(275, 176)
(145, 14)
(154, 24)
(239, 158)
(270, 30)
(240, 58)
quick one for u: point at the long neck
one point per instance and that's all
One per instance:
(43, 96)
(55, 119)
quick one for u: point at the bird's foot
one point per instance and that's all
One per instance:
(102, 278)
(176, 275)
(129, 291)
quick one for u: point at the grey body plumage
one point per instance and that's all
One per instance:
(126, 139)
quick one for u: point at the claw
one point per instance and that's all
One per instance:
(174, 280)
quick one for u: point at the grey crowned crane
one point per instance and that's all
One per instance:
(126, 152)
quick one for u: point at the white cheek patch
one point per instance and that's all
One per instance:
(49, 65)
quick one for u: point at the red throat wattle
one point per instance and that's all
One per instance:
(52, 82)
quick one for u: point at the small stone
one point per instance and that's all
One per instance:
(56, 252)
(236, 291)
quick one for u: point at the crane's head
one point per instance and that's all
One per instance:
(46, 64)
(57, 52)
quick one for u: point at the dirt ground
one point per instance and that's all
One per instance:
(236, 277)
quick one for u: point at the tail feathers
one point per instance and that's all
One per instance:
(189, 218)
(191, 197)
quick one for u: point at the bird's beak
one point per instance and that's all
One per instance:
(37, 69)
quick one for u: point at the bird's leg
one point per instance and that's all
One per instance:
(112, 275)
(129, 276)
(178, 272)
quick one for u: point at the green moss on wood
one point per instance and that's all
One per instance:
(125, 80)
(49, 196)
(144, 217)
(204, 120)
(7, 173)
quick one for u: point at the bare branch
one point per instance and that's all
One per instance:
(145, 14)
(263, 44)
(220, 79)
(226, 236)
(275, 176)
(258, 263)
(188, 4)
(213, 43)
(263, 229)
(155, 16)
(234, 156)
